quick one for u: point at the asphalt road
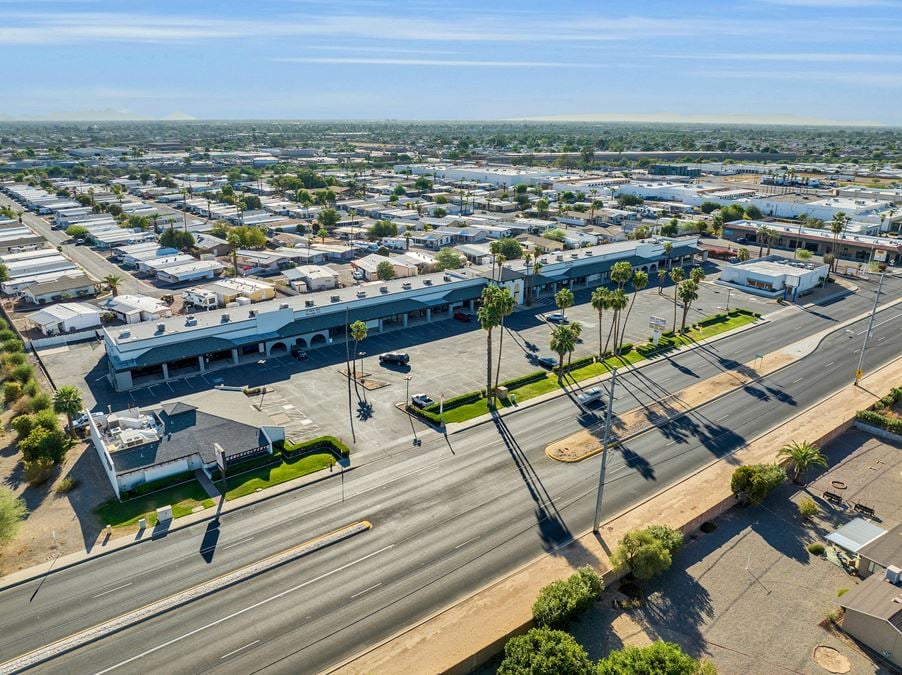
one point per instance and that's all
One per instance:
(447, 519)
(92, 262)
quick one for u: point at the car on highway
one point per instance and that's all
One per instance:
(548, 362)
(421, 400)
(394, 358)
(589, 396)
(463, 316)
(556, 317)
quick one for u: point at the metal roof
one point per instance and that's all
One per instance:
(855, 535)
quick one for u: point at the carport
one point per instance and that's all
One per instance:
(855, 535)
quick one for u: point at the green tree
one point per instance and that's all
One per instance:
(600, 302)
(563, 342)
(177, 239)
(803, 456)
(564, 299)
(688, 292)
(658, 658)
(542, 208)
(752, 212)
(327, 218)
(76, 231)
(543, 651)
(510, 248)
(640, 281)
(745, 255)
(751, 483)
(234, 241)
(448, 259)
(697, 274)
(358, 332)
(113, 282)
(385, 271)
(763, 235)
(41, 442)
(662, 274)
(629, 200)
(440, 212)
(671, 228)
(644, 553)
(4, 272)
(803, 254)
(709, 207)
(489, 316)
(322, 233)
(67, 401)
(422, 183)
(12, 511)
(381, 229)
(561, 601)
(676, 276)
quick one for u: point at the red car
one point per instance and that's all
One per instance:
(463, 316)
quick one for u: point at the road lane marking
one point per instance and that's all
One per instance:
(204, 589)
(245, 610)
(225, 656)
(112, 590)
(238, 543)
(797, 380)
(720, 419)
(465, 543)
(829, 364)
(366, 590)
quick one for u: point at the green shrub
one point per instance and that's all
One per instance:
(543, 651)
(153, 486)
(22, 373)
(671, 539)
(39, 403)
(560, 601)
(42, 443)
(752, 483)
(808, 508)
(14, 359)
(873, 417)
(11, 391)
(66, 485)
(841, 592)
(14, 345)
(647, 552)
(815, 548)
(31, 388)
(7, 334)
(12, 511)
(22, 425)
(37, 471)
(657, 658)
(516, 382)
(318, 444)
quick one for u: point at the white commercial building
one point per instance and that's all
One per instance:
(774, 276)
(66, 317)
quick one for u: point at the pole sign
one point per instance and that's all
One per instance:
(657, 323)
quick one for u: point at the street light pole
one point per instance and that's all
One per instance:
(604, 452)
(867, 333)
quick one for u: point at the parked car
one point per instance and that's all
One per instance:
(548, 362)
(299, 354)
(556, 317)
(396, 358)
(589, 396)
(463, 316)
(81, 422)
(421, 400)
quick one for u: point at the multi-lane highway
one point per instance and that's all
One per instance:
(447, 518)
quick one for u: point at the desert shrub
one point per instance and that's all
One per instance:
(7, 334)
(11, 392)
(14, 345)
(841, 592)
(31, 388)
(42, 443)
(560, 601)
(815, 548)
(647, 552)
(12, 511)
(66, 485)
(14, 359)
(22, 425)
(22, 373)
(38, 471)
(753, 482)
(39, 403)
(808, 508)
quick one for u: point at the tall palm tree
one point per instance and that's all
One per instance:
(697, 274)
(505, 307)
(563, 342)
(600, 302)
(563, 299)
(662, 274)
(640, 281)
(688, 291)
(358, 332)
(676, 276)
(234, 241)
(621, 273)
(489, 318)
(113, 282)
(837, 227)
(803, 456)
(763, 233)
(67, 401)
(617, 301)
(533, 273)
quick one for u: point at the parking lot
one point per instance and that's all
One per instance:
(445, 356)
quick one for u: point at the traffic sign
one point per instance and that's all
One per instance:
(858, 374)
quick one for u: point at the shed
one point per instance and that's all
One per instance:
(855, 535)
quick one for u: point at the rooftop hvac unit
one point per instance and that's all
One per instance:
(310, 303)
(161, 327)
(893, 574)
(574, 255)
(334, 298)
(559, 256)
(283, 305)
(252, 313)
(406, 285)
(427, 282)
(125, 334)
(361, 294)
(383, 289)
(225, 318)
(190, 320)
(447, 277)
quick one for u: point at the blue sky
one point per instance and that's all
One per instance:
(767, 60)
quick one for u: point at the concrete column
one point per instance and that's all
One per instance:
(428, 314)
(165, 371)
(404, 323)
(200, 362)
(235, 357)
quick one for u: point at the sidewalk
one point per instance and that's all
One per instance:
(464, 635)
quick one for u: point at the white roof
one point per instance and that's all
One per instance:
(61, 312)
(144, 303)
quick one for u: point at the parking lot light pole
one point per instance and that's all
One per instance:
(604, 452)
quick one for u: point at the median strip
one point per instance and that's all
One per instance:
(158, 607)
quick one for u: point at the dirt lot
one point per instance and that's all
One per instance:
(53, 526)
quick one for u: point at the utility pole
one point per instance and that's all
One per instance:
(604, 452)
(348, 373)
(867, 334)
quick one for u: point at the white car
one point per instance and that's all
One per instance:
(589, 396)
(421, 400)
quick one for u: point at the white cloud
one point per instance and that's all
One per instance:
(433, 62)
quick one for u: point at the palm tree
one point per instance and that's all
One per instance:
(113, 282)
(489, 318)
(688, 291)
(717, 224)
(234, 241)
(697, 274)
(67, 401)
(600, 302)
(563, 299)
(505, 307)
(533, 273)
(662, 275)
(676, 276)
(577, 329)
(743, 254)
(358, 331)
(617, 301)
(563, 342)
(640, 281)
(762, 234)
(407, 236)
(803, 456)
(621, 273)
(837, 227)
